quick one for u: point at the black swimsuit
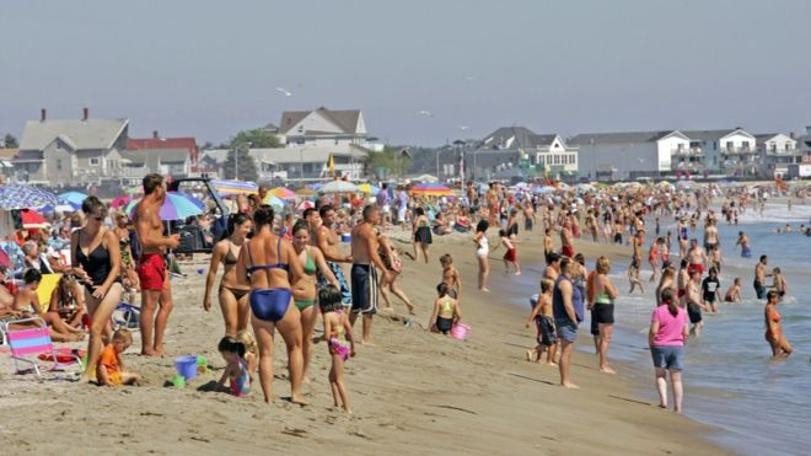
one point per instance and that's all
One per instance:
(97, 264)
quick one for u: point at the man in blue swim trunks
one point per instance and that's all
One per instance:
(365, 258)
(326, 238)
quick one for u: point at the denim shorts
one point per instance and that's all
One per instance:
(566, 330)
(668, 356)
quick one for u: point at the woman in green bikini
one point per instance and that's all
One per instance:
(305, 292)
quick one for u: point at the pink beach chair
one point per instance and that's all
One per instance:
(27, 341)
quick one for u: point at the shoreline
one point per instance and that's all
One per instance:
(412, 391)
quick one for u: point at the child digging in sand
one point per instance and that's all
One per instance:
(545, 325)
(336, 327)
(237, 372)
(110, 369)
(446, 311)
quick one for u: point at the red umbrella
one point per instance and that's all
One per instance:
(4, 259)
(32, 219)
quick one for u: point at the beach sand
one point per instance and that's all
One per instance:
(412, 391)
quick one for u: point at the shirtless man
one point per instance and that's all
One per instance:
(567, 248)
(552, 270)
(155, 288)
(760, 277)
(710, 235)
(591, 224)
(548, 243)
(365, 258)
(326, 239)
(697, 258)
(638, 243)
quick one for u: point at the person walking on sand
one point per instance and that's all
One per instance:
(388, 253)
(236, 312)
(155, 288)
(482, 251)
(270, 266)
(781, 348)
(322, 223)
(567, 308)
(605, 293)
(366, 263)
(421, 229)
(668, 331)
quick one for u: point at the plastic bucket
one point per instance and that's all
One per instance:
(186, 366)
(459, 331)
(346, 238)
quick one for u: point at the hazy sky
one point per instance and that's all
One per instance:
(209, 68)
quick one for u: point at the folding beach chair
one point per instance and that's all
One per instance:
(30, 341)
(126, 316)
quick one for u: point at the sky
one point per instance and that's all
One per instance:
(211, 68)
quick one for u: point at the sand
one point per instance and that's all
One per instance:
(412, 391)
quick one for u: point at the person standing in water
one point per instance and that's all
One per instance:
(781, 348)
(743, 241)
(760, 277)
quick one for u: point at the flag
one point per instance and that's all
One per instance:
(331, 165)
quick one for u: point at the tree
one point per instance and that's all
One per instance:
(258, 137)
(10, 141)
(246, 165)
(390, 161)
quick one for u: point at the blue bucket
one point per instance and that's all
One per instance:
(346, 238)
(186, 366)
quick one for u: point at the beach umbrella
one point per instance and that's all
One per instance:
(120, 201)
(275, 202)
(282, 193)
(64, 208)
(431, 189)
(426, 178)
(305, 191)
(306, 204)
(20, 196)
(196, 201)
(543, 190)
(338, 187)
(233, 187)
(368, 189)
(32, 219)
(73, 198)
(177, 206)
(5, 261)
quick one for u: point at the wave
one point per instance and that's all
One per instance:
(777, 213)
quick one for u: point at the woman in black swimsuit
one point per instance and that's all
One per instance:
(96, 260)
(233, 296)
(269, 265)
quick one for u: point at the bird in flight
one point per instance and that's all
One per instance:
(426, 113)
(464, 127)
(284, 91)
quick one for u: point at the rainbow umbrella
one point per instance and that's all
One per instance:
(234, 187)
(282, 193)
(275, 201)
(431, 189)
(176, 206)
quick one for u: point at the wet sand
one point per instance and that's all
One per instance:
(412, 391)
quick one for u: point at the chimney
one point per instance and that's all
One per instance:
(43, 114)
(85, 114)
(155, 134)
(791, 135)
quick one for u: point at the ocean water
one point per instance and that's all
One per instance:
(761, 406)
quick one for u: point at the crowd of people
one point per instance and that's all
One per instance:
(281, 271)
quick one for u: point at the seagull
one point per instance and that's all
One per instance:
(426, 113)
(470, 78)
(464, 127)
(284, 92)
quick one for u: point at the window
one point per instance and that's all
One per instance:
(59, 164)
(307, 167)
(94, 162)
(730, 145)
(745, 145)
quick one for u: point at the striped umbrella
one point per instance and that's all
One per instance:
(176, 206)
(282, 193)
(20, 196)
(431, 190)
(274, 201)
(233, 187)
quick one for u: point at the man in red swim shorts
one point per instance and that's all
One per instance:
(155, 289)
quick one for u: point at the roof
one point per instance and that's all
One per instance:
(516, 138)
(634, 137)
(186, 143)
(345, 120)
(168, 155)
(7, 153)
(709, 135)
(83, 134)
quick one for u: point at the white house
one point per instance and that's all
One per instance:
(322, 127)
(628, 155)
(731, 151)
(522, 153)
(776, 152)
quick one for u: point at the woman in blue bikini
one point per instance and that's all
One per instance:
(270, 266)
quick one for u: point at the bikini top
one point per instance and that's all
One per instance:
(446, 307)
(309, 264)
(230, 259)
(255, 267)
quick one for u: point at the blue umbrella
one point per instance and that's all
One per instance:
(176, 206)
(20, 196)
(75, 199)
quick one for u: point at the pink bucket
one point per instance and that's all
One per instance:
(459, 331)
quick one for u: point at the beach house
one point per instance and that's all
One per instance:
(64, 151)
(776, 151)
(175, 156)
(517, 153)
(321, 127)
(732, 151)
(630, 155)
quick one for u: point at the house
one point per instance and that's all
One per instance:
(776, 151)
(322, 127)
(7, 156)
(67, 151)
(629, 155)
(178, 156)
(804, 146)
(518, 152)
(732, 151)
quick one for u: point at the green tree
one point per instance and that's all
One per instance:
(258, 137)
(246, 165)
(10, 141)
(391, 161)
